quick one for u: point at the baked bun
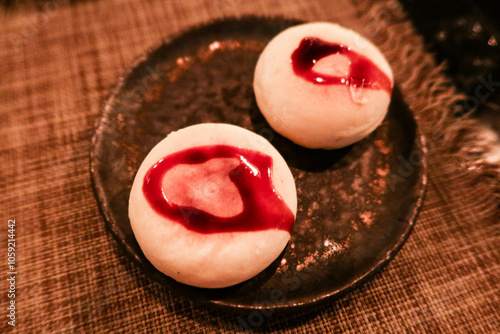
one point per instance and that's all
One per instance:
(212, 205)
(322, 85)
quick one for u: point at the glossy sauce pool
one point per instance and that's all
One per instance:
(362, 71)
(263, 208)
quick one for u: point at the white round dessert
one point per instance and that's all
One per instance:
(208, 260)
(312, 113)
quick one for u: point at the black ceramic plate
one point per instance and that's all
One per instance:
(356, 206)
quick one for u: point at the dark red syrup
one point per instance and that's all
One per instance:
(362, 71)
(263, 208)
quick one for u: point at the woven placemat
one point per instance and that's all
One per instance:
(56, 66)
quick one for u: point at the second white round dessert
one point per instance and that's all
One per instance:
(313, 113)
(216, 259)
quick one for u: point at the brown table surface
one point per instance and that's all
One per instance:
(58, 63)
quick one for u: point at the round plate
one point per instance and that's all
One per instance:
(356, 206)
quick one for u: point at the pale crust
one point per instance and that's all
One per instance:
(311, 115)
(208, 260)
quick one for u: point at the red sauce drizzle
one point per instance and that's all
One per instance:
(362, 71)
(263, 208)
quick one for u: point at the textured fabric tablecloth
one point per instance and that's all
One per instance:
(58, 64)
